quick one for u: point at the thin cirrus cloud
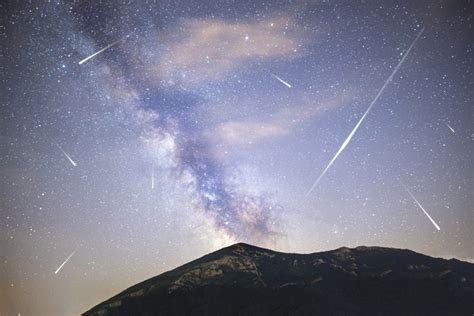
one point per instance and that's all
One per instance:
(208, 50)
(252, 131)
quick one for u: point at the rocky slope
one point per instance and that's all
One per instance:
(247, 280)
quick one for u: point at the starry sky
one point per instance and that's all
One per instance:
(205, 123)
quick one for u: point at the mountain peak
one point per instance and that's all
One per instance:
(242, 245)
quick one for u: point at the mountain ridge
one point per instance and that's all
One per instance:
(243, 279)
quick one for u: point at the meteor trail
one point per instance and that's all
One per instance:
(65, 261)
(103, 49)
(348, 139)
(152, 177)
(418, 203)
(67, 156)
(449, 126)
(282, 81)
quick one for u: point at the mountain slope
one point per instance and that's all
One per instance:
(247, 280)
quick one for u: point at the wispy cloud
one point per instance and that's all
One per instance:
(198, 51)
(251, 131)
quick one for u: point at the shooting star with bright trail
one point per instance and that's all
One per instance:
(348, 139)
(67, 156)
(65, 261)
(282, 81)
(449, 126)
(419, 205)
(103, 49)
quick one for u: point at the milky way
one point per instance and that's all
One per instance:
(138, 136)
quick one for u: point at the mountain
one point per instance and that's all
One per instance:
(247, 280)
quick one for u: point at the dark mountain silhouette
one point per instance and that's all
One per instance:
(247, 280)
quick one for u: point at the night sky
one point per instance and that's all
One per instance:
(205, 123)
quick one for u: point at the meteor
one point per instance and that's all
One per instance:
(103, 49)
(65, 261)
(67, 156)
(152, 177)
(449, 126)
(348, 139)
(419, 205)
(282, 81)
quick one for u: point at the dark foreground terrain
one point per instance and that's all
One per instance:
(246, 280)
